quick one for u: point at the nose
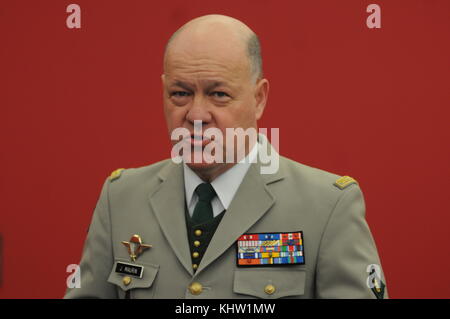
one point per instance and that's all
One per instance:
(199, 111)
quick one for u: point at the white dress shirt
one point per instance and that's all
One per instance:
(225, 185)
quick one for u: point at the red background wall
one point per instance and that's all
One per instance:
(370, 103)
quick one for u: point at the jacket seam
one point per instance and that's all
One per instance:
(323, 235)
(108, 209)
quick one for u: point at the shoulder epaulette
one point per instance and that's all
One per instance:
(116, 174)
(344, 181)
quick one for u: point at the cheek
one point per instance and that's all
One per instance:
(224, 118)
(242, 115)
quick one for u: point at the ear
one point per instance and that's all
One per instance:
(261, 95)
(163, 79)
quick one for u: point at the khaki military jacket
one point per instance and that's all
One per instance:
(150, 201)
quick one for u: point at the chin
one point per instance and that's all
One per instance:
(203, 167)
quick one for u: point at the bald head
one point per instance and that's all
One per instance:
(216, 34)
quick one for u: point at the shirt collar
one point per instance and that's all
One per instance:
(191, 181)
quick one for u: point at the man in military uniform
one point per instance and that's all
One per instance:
(225, 230)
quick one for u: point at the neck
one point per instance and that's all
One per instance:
(209, 174)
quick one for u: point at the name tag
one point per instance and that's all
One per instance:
(129, 269)
(270, 249)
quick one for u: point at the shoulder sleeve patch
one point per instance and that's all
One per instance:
(344, 182)
(116, 174)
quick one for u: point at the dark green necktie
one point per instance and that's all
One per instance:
(203, 211)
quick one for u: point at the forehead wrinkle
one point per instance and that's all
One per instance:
(206, 84)
(206, 68)
(213, 58)
(198, 72)
(205, 65)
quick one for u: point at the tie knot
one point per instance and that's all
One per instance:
(205, 192)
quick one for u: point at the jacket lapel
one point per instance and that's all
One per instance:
(252, 200)
(168, 203)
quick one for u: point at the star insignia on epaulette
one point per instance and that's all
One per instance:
(344, 182)
(116, 174)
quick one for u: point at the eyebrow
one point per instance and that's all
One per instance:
(210, 86)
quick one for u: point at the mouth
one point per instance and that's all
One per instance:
(197, 140)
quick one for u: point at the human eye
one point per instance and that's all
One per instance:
(180, 98)
(179, 94)
(220, 94)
